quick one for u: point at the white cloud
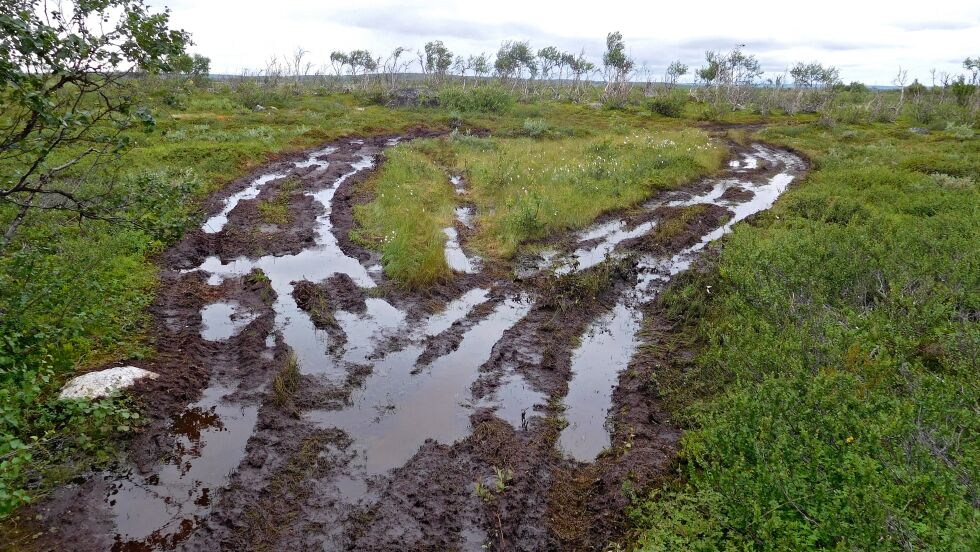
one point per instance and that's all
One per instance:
(867, 40)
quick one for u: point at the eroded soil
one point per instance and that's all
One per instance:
(307, 403)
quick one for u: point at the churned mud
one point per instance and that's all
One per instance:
(305, 402)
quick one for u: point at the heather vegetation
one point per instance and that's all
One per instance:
(830, 399)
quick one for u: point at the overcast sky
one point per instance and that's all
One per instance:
(867, 40)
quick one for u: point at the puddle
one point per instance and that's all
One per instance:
(315, 264)
(457, 182)
(400, 406)
(456, 258)
(365, 330)
(396, 411)
(611, 234)
(456, 310)
(606, 350)
(655, 272)
(313, 160)
(162, 508)
(609, 344)
(223, 320)
(514, 400)
(465, 215)
(217, 223)
(748, 162)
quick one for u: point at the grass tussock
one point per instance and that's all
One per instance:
(286, 382)
(276, 210)
(413, 202)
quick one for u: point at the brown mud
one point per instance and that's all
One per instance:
(339, 411)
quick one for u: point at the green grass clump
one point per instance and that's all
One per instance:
(276, 210)
(413, 202)
(286, 382)
(669, 104)
(527, 189)
(483, 99)
(833, 400)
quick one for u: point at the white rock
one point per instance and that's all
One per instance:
(103, 383)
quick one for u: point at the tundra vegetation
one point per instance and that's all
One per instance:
(832, 397)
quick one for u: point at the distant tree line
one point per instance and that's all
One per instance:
(725, 80)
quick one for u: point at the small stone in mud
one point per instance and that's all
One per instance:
(738, 194)
(103, 383)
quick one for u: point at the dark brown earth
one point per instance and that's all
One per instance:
(285, 493)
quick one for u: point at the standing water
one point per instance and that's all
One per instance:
(608, 345)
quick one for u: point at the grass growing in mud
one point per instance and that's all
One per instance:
(286, 382)
(276, 210)
(833, 399)
(523, 189)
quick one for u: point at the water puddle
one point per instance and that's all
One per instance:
(610, 342)
(398, 408)
(364, 331)
(315, 264)
(513, 401)
(217, 223)
(465, 215)
(455, 311)
(456, 258)
(611, 235)
(223, 320)
(457, 182)
(606, 350)
(162, 508)
(313, 160)
(400, 405)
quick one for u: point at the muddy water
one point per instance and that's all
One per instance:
(455, 311)
(456, 258)
(515, 401)
(402, 402)
(314, 264)
(605, 351)
(162, 508)
(223, 319)
(159, 509)
(609, 236)
(396, 409)
(609, 344)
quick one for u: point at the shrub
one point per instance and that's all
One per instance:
(960, 132)
(484, 99)
(535, 128)
(667, 105)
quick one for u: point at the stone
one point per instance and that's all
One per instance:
(95, 385)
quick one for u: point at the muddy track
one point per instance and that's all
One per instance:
(307, 403)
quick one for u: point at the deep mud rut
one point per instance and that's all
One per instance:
(428, 421)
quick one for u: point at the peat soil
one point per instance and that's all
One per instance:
(305, 402)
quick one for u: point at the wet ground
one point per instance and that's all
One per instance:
(306, 403)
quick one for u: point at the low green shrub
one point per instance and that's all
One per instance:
(483, 99)
(667, 105)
